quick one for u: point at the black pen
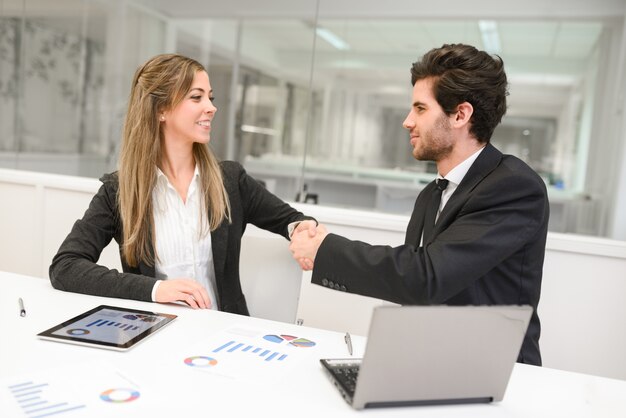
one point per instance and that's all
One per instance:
(22, 310)
(348, 341)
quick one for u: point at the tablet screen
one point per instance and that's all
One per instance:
(108, 327)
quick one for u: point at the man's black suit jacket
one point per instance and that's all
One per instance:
(487, 248)
(74, 267)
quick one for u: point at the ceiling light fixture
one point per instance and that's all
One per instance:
(332, 39)
(490, 36)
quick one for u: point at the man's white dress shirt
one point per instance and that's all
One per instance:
(454, 177)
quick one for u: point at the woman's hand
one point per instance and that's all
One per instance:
(183, 290)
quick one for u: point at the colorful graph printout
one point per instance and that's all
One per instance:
(290, 339)
(76, 391)
(262, 353)
(200, 361)
(119, 395)
(251, 354)
(30, 396)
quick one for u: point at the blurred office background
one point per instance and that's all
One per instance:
(312, 93)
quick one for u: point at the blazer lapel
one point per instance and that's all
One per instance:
(486, 162)
(147, 270)
(219, 244)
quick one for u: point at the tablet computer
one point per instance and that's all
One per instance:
(108, 327)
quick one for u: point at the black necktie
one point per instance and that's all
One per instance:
(432, 209)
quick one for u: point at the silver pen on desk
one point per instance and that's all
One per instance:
(22, 310)
(348, 341)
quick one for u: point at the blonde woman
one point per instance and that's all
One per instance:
(176, 212)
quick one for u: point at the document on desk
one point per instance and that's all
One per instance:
(79, 390)
(248, 353)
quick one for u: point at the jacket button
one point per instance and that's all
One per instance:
(324, 282)
(343, 288)
(331, 284)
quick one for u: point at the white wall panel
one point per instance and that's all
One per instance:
(581, 307)
(20, 228)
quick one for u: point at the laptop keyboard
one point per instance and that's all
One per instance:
(347, 374)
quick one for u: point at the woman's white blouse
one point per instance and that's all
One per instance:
(183, 247)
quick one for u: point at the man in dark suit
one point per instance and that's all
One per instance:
(483, 243)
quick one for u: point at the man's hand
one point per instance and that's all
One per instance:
(305, 243)
(183, 290)
(309, 226)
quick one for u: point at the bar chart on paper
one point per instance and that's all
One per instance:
(80, 390)
(33, 401)
(267, 354)
(261, 352)
(249, 353)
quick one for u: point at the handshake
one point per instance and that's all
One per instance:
(305, 241)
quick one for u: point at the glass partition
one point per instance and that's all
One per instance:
(311, 101)
(262, 94)
(66, 69)
(361, 157)
(59, 111)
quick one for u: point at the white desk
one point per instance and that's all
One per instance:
(532, 392)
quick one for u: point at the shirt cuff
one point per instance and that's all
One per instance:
(292, 227)
(154, 290)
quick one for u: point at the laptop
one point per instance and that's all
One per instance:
(429, 355)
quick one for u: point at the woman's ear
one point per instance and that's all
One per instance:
(162, 114)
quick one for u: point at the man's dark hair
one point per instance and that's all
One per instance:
(462, 73)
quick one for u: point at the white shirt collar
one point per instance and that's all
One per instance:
(162, 178)
(162, 185)
(457, 174)
(160, 174)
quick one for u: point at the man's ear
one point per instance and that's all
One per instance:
(463, 114)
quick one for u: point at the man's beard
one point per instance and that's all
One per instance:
(436, 144)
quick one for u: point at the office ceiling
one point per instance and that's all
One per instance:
(541, 42)
(533, 9)
(557, 47)
(550, 41)
(544, 58)
(545, 45)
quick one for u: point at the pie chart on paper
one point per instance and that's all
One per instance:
(289, 339)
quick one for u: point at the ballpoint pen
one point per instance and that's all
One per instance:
(22, 310)
(348, 341)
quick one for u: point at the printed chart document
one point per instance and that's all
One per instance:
(81, 390)
(248, 353)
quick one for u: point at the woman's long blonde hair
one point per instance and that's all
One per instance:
(159, 85)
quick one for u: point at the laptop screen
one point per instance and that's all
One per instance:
(439, 354)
